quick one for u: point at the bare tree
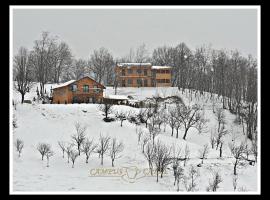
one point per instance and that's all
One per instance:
(238, 152)
(121, 116)
(220, 134)
(147, 114)
(190, 180)
(79, 137)
(19, 146)
(179, 176)
(149, 154)
(212, 139)
(73, 156)
(162, 157)
(68, 150)
(23, 73)
(41, 59)
(186, 155)
(115, 149)
(60, 59)
(139, 133)
(178, 123)
(153, 132)
(103, 146)
(191, 116)
(62, 146)
(203, 153)
(254, 148)
(145, 140)
(141, 54)
(172, 119)
(220, 148)
(102, 66)
(220, 116)
(49, 154)
(175, 167)
(106, 108)
(43, 148)
(175, 162)
(88, 147)
(78, 69)
(234, 181)
(214, 183)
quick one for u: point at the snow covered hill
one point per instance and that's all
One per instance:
(51, 123)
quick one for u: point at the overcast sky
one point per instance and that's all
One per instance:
(118, 30)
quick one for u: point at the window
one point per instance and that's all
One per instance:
(130, 71)
(145, 82)
(96, 89)
(167, 80)
(139, 82)
(86, 88)
(139, 71)
(145, 72)
(123, 72)
(74, 88)
(123, 83)
(130, 81)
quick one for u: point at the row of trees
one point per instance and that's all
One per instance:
(80, 144)
(105, 145)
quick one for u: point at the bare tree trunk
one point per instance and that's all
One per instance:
(234, 168)
(185, 134)
(22, 98)
(220, 150)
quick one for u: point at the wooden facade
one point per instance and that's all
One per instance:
(85, 90)
(142, 75)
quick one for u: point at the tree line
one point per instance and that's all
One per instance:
(228, 74)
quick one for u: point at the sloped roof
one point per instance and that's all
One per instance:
(64, 84)
(133, 64)
(73, 81)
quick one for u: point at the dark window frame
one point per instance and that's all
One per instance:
(123, 72)
(130, 71)
(145, 72)
(130, 81)
(145, 81)
(84, 88)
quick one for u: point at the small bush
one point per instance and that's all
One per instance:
(108, 119)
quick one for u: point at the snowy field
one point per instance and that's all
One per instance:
(51, 123)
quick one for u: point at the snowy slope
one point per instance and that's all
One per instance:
(51, 123)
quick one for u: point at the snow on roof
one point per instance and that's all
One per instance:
(133, 64)
(161, 67)
(117, 97)
(64, 84)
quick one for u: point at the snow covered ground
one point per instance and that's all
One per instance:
(51, 123)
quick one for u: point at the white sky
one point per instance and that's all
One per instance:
(118, 30)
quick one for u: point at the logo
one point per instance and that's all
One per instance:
(129, 174)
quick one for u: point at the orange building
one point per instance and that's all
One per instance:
(142, 75)
(84, 90)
